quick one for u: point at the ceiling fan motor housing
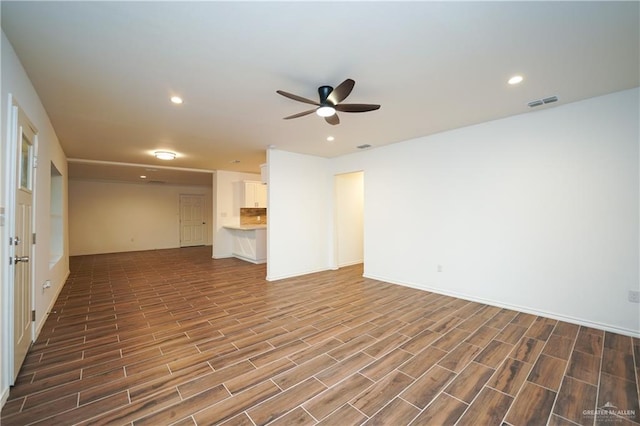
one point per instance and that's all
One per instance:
(324, 92)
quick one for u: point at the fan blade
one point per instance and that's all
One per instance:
(332, 119)
(341, 92)
(356, 107)
(300, 114)
(297, 98)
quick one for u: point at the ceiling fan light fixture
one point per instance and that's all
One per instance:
(165, 155)
(326, 111)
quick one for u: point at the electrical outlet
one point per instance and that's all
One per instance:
(634, 296)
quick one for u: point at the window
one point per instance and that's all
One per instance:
(26, 168)
(56, 243)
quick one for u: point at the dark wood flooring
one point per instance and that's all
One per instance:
(174, 337)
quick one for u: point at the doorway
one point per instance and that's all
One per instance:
(192, 223)
(349, 219)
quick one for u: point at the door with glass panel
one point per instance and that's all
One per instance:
(23, 243)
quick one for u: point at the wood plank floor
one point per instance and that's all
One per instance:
(174, 337)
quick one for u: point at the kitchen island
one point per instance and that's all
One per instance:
(249, 242)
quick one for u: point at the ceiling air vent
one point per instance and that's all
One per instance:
(365, 146)
(156, 182)
(544, 101)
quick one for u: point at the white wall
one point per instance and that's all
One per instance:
(227, 193)
(349, 211)
(538, 212)
(300, 225)
(109, 217)
(16, 84)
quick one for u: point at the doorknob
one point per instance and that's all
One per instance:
(20, 259)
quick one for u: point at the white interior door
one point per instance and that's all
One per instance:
(192, 223)
(22, 240)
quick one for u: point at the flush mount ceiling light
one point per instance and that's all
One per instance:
(516, 79)
(165, 155)
(330, 138)
(176, 100)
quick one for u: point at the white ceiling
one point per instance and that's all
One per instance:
(105, 71)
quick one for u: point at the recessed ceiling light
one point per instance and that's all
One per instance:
(176, 99)
(143, 177)
(330, 138)
(165, 155)
(516, 79)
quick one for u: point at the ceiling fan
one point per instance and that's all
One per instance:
(329, 103)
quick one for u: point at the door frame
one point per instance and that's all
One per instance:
(13, 143)
(336, 225)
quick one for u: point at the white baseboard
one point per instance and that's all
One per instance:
(221, 256)
(4, 397)
(295, 274)
(525, 309)
(355, 262)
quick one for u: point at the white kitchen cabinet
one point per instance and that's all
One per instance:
(255, 194)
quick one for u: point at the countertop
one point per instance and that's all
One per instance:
(246, 227)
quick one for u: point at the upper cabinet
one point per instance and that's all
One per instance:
(255, 194)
